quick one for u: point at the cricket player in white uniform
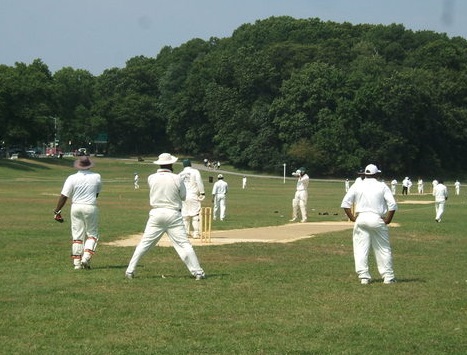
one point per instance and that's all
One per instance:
(393, 186)
(191, 207)
(219, 192)
(300, 200)
(166, 193)
(136, 181)
(83, 188)
(457, 186)
(420, 186)
(440, 192)
(375, 207)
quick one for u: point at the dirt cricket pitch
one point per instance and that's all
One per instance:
(277, 234)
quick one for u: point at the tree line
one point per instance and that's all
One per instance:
(325, 95)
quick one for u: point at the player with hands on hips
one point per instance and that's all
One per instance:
(300, 200)
(375, 207)
(83, 188)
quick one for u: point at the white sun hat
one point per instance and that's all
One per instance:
(165, 159)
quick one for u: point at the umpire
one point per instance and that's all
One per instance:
(375, 208)
(166, 193)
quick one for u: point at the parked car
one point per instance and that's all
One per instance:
(81, 152)
(33, 153)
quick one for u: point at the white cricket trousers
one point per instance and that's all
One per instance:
(439, 209)
(192, 221)
(371, 231)
(191, 209)
(165, 220)
(219, 206)
(300, 201)
(84, 231)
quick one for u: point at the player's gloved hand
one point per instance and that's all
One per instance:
(58, 217)
(201, 197)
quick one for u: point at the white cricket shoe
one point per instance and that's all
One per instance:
(86, 264)
(200, 276)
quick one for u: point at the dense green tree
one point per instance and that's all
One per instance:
(315, 87)
(182, 90)
(329, 96)
(127, 108)
(27, 105)
(75, 99)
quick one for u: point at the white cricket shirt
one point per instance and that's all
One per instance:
(370, 195)
(166, 190)
(82, 187)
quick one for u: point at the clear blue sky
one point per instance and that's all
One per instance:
(100, 34)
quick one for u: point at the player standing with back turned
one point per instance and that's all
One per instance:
(374, 209)
(83, 188)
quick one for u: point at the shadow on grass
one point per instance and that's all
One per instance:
(32, 165)
(401, 281)
(21, 165)
(410, 280)
(184, 276)
(110, 267)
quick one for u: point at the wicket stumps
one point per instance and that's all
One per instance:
(206, 224)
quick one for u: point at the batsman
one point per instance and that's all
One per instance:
(83, 188)
(300, 200)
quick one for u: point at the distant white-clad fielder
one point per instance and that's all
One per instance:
(457, 186)
(375, 207)
(191, 207)
(420, 186)
(300, 200)
(440, 192)
(393, 186)
(136, 181)
(219, 192)
(405, 185)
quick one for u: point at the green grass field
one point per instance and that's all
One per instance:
(296, 298)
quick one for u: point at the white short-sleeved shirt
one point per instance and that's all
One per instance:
(440, 192)
(82, 187)
(166, 190)
(220, 187)
(370, 195)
